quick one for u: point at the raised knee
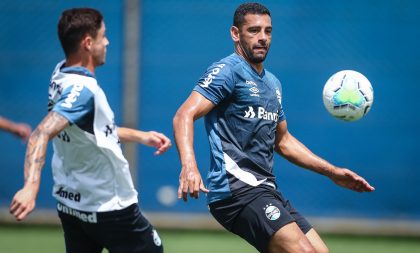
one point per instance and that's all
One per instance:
(308, 249)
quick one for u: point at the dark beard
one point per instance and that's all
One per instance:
(250, 55)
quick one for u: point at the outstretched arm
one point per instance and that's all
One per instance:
(151, 138)
(21, 130)
(24, 200)
(297, 153)
(190, 179)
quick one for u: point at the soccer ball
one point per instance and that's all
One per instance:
(348, 95)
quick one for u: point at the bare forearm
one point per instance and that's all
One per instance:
(131, 135)
(297, 153)
(35, 157)
(183, 126)
(7, 125)
(36, 151)
(4, 124)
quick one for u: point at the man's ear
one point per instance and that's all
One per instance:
(86, 43)
(234, 33)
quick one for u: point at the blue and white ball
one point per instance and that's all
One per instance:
(348, 95)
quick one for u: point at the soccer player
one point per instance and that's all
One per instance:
(245, 123)
(97, 201)
(21, 130)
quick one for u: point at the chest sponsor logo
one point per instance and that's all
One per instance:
(73, 95)
(74, 196)
(261, 113)
(207, 80)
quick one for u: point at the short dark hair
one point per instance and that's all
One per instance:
(76, 23)
(248, 8)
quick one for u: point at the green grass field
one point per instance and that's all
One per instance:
(25, 239)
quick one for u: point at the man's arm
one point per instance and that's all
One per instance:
(24, 200)
(190, 179)
(21, 130)
(297, 153)
(151, 138)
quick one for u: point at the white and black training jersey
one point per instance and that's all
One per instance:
(89, 170)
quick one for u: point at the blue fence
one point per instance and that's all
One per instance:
(311, 41)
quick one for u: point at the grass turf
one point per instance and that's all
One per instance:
(22, 239)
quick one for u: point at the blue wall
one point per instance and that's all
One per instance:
(29, 51)
(311, 41)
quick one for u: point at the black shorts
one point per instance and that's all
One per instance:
(121, 231)
(256, 215)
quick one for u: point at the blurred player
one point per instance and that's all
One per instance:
(21, 130)
(97, 202)
(245, 123)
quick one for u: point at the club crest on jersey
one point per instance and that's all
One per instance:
(272, 212)
(278, 94)
(72, 97)
(207, 80)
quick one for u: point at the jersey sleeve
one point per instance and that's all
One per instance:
(75, 103)
(217, 83)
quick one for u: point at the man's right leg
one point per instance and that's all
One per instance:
(76, 239)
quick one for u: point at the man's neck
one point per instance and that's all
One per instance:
(258, 67)
(76, 60)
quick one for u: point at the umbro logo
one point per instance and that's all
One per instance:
(254, 89)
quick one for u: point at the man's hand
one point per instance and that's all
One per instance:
(348, 179)
(157, 140)
(23, 131)
(23, 202)
(190, 181)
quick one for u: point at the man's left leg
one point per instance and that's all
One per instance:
(316, 241)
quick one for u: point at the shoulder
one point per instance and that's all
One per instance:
(221, 69)
(228, 64)
(79, 78)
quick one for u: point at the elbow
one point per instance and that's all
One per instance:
(282, 148)
(279, 149)
(179, 119)
(176, 119)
